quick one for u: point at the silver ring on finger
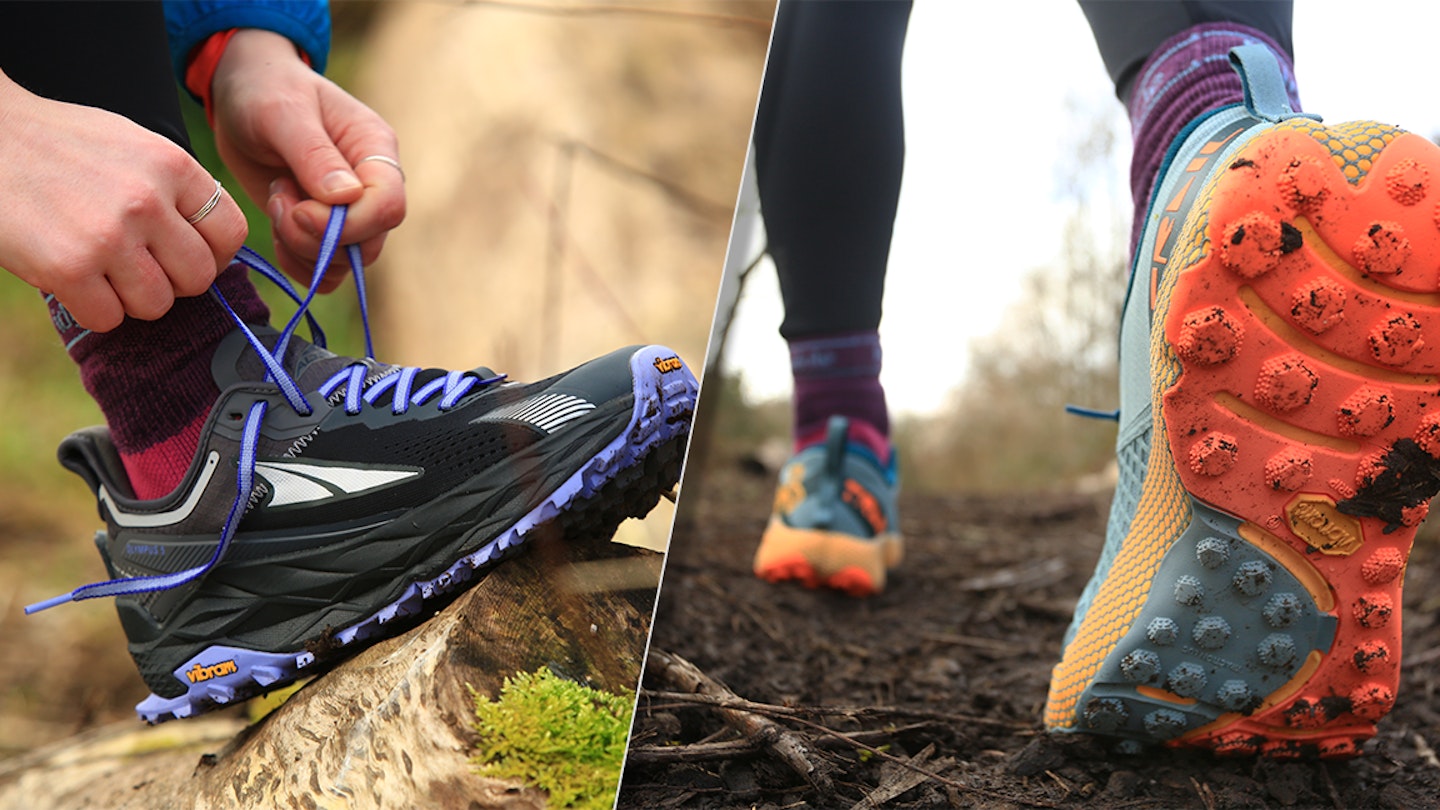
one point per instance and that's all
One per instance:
(194, 219)
(387, 160)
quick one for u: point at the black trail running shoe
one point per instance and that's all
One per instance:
(311, 522)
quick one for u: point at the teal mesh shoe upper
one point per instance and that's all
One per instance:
(839, 485)
(1266, 101)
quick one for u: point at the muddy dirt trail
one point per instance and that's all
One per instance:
(953, 662)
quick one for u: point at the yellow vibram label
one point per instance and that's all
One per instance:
(1316, 520)
(665, 365)
(199, 673)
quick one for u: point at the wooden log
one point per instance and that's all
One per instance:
(390, 728)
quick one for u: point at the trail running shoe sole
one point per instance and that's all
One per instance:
(1303, 340)
(816, 559)
(623, 479)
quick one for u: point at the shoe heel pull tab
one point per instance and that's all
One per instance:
(837, 434)
(89, 454)
(1265, 92)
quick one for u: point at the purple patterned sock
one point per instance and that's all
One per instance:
(152, 379)
(1187, 76)
(839, 374)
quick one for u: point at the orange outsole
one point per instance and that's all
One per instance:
(815, 559)
(1308, 402)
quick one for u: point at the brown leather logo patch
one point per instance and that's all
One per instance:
(1315, 520)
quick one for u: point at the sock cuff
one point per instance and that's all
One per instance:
(200, 317)
(152, 379)
(845, 354)
(1194, 53)
(858, 432)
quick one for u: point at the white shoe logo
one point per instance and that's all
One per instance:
(294, 482)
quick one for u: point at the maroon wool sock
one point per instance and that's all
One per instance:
(1187, 76)
(152, 379)
(840, 375)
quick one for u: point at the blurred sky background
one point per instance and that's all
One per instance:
(992, 91)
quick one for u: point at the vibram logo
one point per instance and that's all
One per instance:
(1317, 521)
(863, 502)
(665, 365)
(198, 673)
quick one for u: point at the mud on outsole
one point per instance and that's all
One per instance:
(1308, 407)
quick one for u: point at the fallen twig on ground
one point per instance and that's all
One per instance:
(747, 717)
(733, 701)
(791, 748)
(895, 781)
(693, 752)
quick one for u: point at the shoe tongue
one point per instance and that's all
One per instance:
(310, 365)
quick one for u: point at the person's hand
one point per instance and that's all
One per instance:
(94, 211)
(296, 142)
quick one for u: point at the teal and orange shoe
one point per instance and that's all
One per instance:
(834, 524)
(1280, 427)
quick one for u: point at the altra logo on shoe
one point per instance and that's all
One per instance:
(294, 482)
(200, 672)
(1316, 520)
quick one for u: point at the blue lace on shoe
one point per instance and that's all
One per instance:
(1093, 413)
(454, 386)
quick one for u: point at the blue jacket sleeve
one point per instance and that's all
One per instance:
(304, 22)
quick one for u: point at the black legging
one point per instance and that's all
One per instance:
(829, 149)
(110, 55)
(829, 136)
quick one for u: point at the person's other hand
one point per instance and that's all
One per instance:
(296, 142)
(95, 209)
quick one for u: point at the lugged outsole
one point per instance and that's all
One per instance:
(816, 559)
(1305, 425)
(625, 477)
